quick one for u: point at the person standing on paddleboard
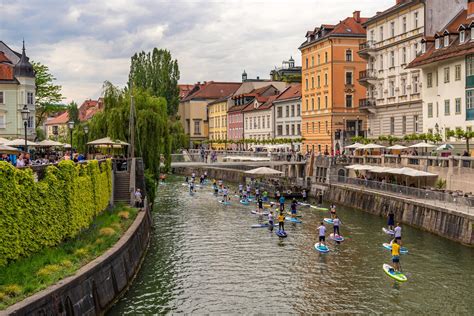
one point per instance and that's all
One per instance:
(270, 220)
(248, 190)
(193, 176)
(201, 179)
(391, 220)
(225, 191)
(282, 203)
(257, 193)
(293, 208)
(260, 204)
(277, 195)
(305, 195)
(281, 221)
(322, 234)
(398, 234)
(333, 211)
(336, 223)
(191, 187)
(396, 255)
(187, 179)
(241, 189)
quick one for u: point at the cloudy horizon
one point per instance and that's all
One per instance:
(86, 43)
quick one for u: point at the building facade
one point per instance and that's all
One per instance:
(258, 115)
(192, 109)
(447, 67)
(217, 116)
(287, 114)
(17, 91)
(330, 91)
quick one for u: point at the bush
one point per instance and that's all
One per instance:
(35, 215)
(107, 231)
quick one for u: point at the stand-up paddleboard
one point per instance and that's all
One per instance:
(244, 202)
(388, 231)
(338, 238)
(293, 220)
(390, 271)
(297, 215)
(225, 203)
(281, 233)
(259, 213)
(328, 220)
(319, 208)
(303, 204)
(388, 246)
(185, 184)
(321, 248)
(265, 225)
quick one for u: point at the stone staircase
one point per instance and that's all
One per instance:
(122, 187)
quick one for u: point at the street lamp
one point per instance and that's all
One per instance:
(70, 124)
(86, 131)
(25, 115)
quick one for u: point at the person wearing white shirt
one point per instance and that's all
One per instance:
(398, 234)
(322, 233)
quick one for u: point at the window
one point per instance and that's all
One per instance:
(415, 49)
(462, 36)
(391, 88)
(437, 43)
(268, 121)
(404, 24)
(348, 55)
(326, 101)
(312, 82)
(246, 123)
(298, 110)
(457, 72)
(307, 127)
(319, 81)
(319, 127)
(326, 124)
(307, 63)
(403, 83)
(392, 29)
(415, 84)
(380, 93)
(2, 100)
(197, 127)
(288, 110)
(3, 121)
(392, 58)
(404, 55)
(429, 79)
(280, 130)
(423, 47)
(392, 125)
(349, 77)
(348, 100)
(430, 109)
(446, 75)
(381, 62)
(416, 19)
(457, 108)
(287, 128)
(470, 65)
(29, 98)
(263, 121)
(319, 103)
(446, 107)
(381, 33)
(415, 123)
(307, 107)
(313, 127)
(325, 79)
(312, 61)
(446, 40)
(279, 112)
(469, 99)
(307, 84)
(312, 104)
(372, 35)
(404, 125)
(298, 129)
(292, 129)
(326, 57)
(292, 110)
(319, 59)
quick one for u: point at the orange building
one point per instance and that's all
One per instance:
(330, 90)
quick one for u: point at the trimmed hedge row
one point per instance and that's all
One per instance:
(34, 215)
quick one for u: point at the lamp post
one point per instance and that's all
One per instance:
(25, 115)
(70, 124)
(86, 131)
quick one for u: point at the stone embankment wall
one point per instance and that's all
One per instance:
(94, 288)
(453, 225)
(232, 175)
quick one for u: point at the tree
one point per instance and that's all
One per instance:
(462, 134)
(73, 112)
(48, 95)
(158, 73)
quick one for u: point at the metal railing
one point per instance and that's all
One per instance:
(453, 200)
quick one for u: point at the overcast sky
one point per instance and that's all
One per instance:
(89, 41)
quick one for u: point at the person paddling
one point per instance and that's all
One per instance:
(398, 234)
(304, 195)
(391, 220)
(293, 208)
(225, 191)
(396, 255)
(248, 190)
(336, 223)
(191, 187)
(282, 203)
(187, 179)
(333, 211)
(322, 234)
(241, 189)
(260, 204)
(277, 195)
(270, 220)
(281, 221)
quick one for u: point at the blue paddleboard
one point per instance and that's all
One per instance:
(225, 203)
(293, 220)
(388, 246)
(329, 221)
(244, 202)
(265, 225)
(281, 233)
(338, 238)
(257, 213)
(321, 248)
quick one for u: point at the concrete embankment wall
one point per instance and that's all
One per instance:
(445, 223)
(94, 288)
(232, 175)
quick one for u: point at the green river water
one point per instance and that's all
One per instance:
(205, 259)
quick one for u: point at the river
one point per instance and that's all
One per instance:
(205, 258)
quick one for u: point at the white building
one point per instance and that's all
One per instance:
(447, 65)
(258, 115)
(17, 92)
(287, 113)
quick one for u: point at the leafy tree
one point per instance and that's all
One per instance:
(48, 95)
(462, 134)
(73, 112)
(157, 72)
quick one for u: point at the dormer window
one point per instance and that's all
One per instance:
(462, 36)
(446, 40)
(423, 47)
(437, 43)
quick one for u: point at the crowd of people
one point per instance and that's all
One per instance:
(26, 159)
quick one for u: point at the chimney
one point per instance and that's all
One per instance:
(356, 16)
(470, 9)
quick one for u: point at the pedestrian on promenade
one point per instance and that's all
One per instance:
(138, 198)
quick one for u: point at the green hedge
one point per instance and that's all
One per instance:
(38, 214)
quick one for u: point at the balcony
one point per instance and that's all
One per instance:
(470, 114)
(365, 48)
(367, 105)
(367, 77)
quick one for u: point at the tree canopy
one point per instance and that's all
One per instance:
(158, 73)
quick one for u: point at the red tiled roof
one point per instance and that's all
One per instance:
(212, 90)
(89, 108)
(291, 92)
(4, 58)
(455, 49)
(184, 90)
(254, 92)
(62, 118)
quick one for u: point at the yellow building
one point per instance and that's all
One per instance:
(217, 117)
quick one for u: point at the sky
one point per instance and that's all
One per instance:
(87, 42)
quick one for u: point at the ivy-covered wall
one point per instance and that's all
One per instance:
(34, 215)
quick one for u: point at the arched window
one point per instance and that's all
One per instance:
(348, 55)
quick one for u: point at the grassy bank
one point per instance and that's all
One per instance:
(27, 276)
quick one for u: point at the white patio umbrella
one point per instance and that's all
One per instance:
(371, 146)
(50, 143)
(354, 146)
(445, 147)
(264, 171)
(3, 140)
(108, 142)
(20, 142)
(397, 147)
(422, 145)
(8, 150)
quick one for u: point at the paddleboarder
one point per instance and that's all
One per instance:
(241, 189)
(305, 195)
(191, 187)
(322, 234)
(333, 211)
(225, 191)
(336, 223)
(398, 234)
(391, 220)
(281, 221)
(396, 255)
(282, 203)
(270, 220)
(293, 208)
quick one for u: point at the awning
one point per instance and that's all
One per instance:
(422, 145)
(3, 140)
(401, 171)
(397, 147)
(19, 142)
(371, 146)
(264, 171)
(107, 141)
(359, 167)
(4, 149)
(50, 143)
(445, 147)
(354, 146)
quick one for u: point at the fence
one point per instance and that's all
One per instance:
(438, 198)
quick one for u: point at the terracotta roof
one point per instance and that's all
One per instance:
(89, 108)
(237, 108)
(255, 92)
(403, 4)
(291, 92)
(347, 27)
(455, 49)
(220, 100)
(62, 118)
(212, 90)
(184, 90)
